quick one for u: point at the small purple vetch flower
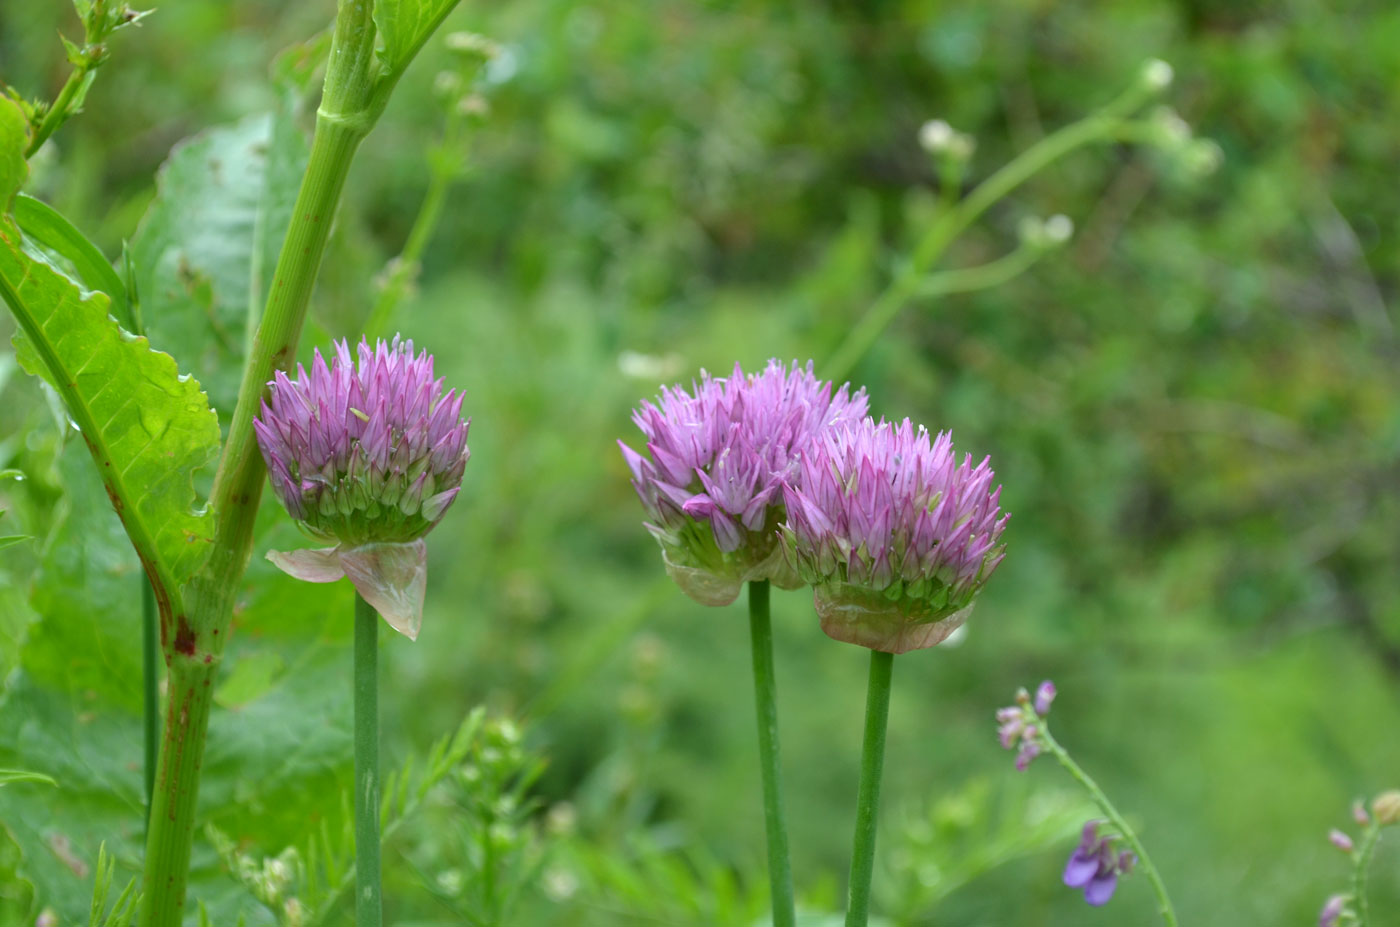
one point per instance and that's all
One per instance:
(370, 457)
(1095, 865)
(895, 534)
(1020, 725)
(1333, 910)
(716, 459)
(1340, 840)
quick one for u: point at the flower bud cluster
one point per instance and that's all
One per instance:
(1022, 726)
(941, 140)
(1045, 234)
(715, 463)
(1096, 864)
(895, 534)
(367, 454)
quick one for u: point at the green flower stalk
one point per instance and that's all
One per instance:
(897, 537)
(711, 482)
(369, 456)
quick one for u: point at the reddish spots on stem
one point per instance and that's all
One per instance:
(184, 636)
(208, 658)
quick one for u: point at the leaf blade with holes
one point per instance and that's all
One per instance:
(148, 428)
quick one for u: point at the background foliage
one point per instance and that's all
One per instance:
(1194, 410)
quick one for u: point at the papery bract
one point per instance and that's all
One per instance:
(896, 535)
(715, 463)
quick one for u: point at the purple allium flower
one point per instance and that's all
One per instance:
(895, 534)
(716, 459)
(1332, 911)
(369, 456)
(1095, 866)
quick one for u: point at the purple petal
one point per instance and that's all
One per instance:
(1100, 888)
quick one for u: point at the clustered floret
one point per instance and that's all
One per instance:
(373, 453)
(773, 476)
(1021, 725)
(896, 535)
(716, 459)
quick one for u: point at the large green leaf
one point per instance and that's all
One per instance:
(205, 251)
(277, 757)
(404, 25)
(46, 225)
(148, 428)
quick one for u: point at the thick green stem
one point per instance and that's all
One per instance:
(150, 688)
(348, 108)
(1164, 903)
(1364, 854)
(177, 788)
(766, 699)
(872, 764)
(369, 901)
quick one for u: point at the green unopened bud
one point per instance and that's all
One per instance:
(1202, 157)
(1156, 75)
(1386, 808)
(1170, 132)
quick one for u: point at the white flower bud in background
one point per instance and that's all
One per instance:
(1058, 229)
(1156, 75)
(938, 138)
(1036, 232)
(447, 84)
(935, 135)
(472, 45)
(474, 105)
(1386, 807)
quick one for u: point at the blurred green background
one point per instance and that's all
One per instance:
(1193, 408)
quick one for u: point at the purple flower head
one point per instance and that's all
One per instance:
(1341, 840)
(896, 535)
(715, 462)
(364, 453)
(1095, 865)
(368, 456)
(1044, 695)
